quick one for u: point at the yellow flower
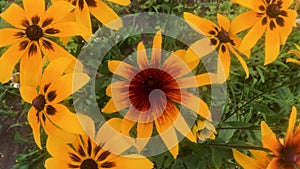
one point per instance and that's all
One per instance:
(54, 87)
(297, 53)
(29, 39)
(287, 154)
(270, 16)
(87, 153)
(151, 91)
(218, 37)
(99, 10)
(260, 159)
(203, 130)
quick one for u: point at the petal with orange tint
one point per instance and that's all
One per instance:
(57, 11)
(287, 3)
(122, 69)
(83, 17)
(269, 139)
(106, 15)
(142, 59)
(66, 85)
(156, 50)
(292, 121)
(132, 161)
(144, 132)
(289, 22)
(224, 22)
(118, 88)
(28, 93)
(223, 63)
(251, 4)
(245, 161)
(65, 119)
(243, 22)
(54, 163)
(293, 61)
(34, 8)
(57, 149)
(242, 61)
(120, 2)
(8, 60)
(54, 70)
(203, 26)
(66, 29)
(272, 45)
(11, 36)
(112, 106)
(127, 124)
(181, 125)
(175, 66)
(14, 15)
(252, 36)
(274, 163)
(33, 120)
(197, 81)
(197, 51)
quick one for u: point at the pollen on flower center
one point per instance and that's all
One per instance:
(151, 84)
(89, 164)
(273, 10)
(34, 32)
(39, 102)
(290, 156)
(223, 36)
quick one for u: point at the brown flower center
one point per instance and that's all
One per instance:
(290, 156)
(39, 102)
(143, 85)
(34, 32)
(223, 36)
(89, 164)
(273, 10)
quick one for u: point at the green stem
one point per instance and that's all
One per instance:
(261, 94)
(231, 146)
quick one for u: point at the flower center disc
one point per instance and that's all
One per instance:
(290, 157)
(223, 36)
(34, 32)
(89, 164)
(273, 10)
(39, 102)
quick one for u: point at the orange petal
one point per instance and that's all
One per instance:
(289, 22)
(34, 8)
(83, 17)
(243, 21)
(292, 121)
(54, 163)
(251, 4)
(14, 15)
(242, 61)
(11, 36)
(122, 69)
(28, 93)
(120, 2)
(269, 139)
(58, 10)
(142, 59)
(106, 15)
(203, 26)
(245, 161)
(274, 163)
(57, 149)
(223, 64)
(197, 81)
(52, 50)
(272, 45)
(224, 22)
(181, 125)
(144, 132)
(34, 123)
(133, 161)
(156, 50)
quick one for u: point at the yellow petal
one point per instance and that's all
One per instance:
(57, 149)
(120, 2)
(272, 45)
(58, 10)
(252, 36)
(181, 125)
(289, 22)
(11, 36)
(203, 26)
(245, 161)
(112, 106)
(242, 61)
(34, 7)
(65, 119)
(251, 4)
(83, 17)
(122, 69)
(287, 3)
(106, 15)
(156, 50)
(28, 93)
(52, 50)
(14, 15)
(127, 124)
(133, 161)
(67, 29)
(142, 59)
(243, 21)
(223, 64)
(269, 139)
(66, 85)
(197, 81)
(54, 70)
(54, 163)
(292, 121)
(8, 60)
(197, 51)
(34, 123)
(144, 132)
(293, 60)
(119, 87)
(224, 22)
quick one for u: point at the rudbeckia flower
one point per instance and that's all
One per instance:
(203, 130)
(151, 91)
(53, 88)
(99, 10)
(219, 36)
(287, 154)
(297, 53)
(272, 17)
(29, 39)
(85, 152)
(260, 159)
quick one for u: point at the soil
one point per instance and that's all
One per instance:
(8, 145)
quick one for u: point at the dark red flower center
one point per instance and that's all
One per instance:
(34, 32)
(89, 164)
(223, 36)
(290, 156)
(144, 84)
(39, 102)
(273, 10)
